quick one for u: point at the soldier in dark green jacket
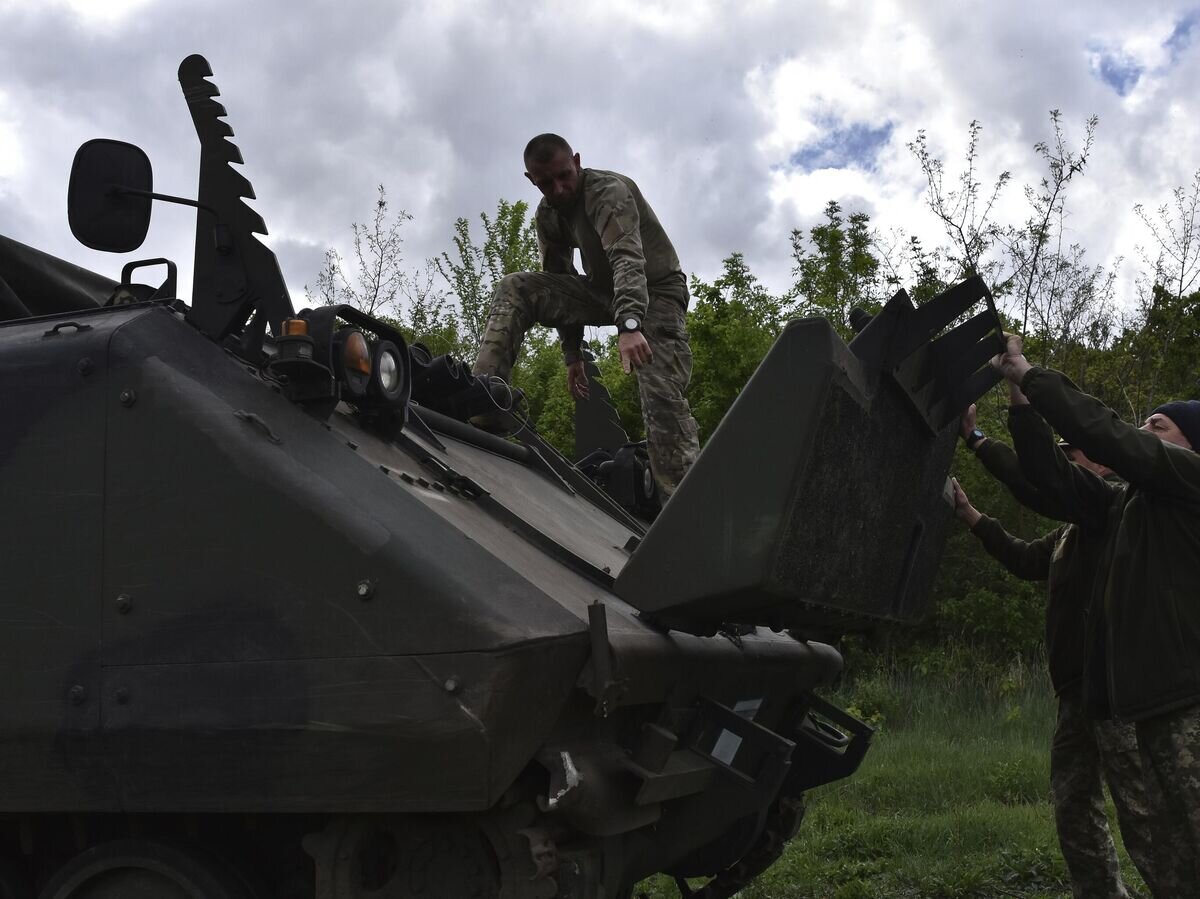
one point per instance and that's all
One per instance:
(632, 279)
(1150, 602)
(1083, 751)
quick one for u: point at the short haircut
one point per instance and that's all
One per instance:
(543, 147)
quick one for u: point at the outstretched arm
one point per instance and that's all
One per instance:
(1084, 497)
(1002, 464)
(1137, 456)
(1029, 561)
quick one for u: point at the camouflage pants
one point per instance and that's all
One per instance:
(1082, 752)
(1170, 747)
(527, 298)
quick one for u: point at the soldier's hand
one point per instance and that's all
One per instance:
(962, 505)
(967, 422)
(1012, 362)
(577, 381)
(635, 351)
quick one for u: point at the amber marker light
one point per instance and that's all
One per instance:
(295, 327)
(356, 355)
(352, 355)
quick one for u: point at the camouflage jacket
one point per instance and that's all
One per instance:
(626, 253)
(1150, 633)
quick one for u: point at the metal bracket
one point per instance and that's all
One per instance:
(604, 686)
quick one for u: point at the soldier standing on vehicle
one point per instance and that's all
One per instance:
(632, 279)
(1143, 663)
(1084, 752)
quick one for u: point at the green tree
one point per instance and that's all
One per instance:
(733, 322)
(835, 268)
(509, 245)
(542, 377)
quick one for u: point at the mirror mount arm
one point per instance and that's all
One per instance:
(220, 231)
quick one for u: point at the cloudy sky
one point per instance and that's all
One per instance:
(739, 120)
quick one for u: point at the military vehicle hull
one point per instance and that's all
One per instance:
(222, 607)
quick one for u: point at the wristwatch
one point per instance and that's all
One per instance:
(630, 323)
(974, 439)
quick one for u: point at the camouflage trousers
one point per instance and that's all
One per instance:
(1170, 748)
(1082, 753)
(525, 299)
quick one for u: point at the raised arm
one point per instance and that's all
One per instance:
(1002, 464)
(1082, 496)
(1137, 456)
(1028, 560)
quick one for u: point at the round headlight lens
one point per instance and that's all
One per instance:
(389, 371)
(391, 378)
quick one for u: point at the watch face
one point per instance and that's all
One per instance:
(631, 324)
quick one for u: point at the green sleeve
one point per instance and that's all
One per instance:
(1002, 464)
(1029, 561)
(613, 212)
(1137, 456)
(1083, 497)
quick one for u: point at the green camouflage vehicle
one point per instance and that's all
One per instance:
(279, 622)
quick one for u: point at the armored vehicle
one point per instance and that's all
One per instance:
(280, 622)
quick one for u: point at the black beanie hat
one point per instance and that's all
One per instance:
(1186, 415)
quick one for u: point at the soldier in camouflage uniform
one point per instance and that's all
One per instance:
(632, 279)
(1084, 752)
(1142, 666)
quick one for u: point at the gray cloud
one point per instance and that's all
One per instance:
(436, 100)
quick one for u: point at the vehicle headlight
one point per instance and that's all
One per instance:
(352, 361)
(389, 379)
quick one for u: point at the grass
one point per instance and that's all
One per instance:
(953, 799)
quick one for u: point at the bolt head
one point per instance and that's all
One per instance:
(128, 397)
(77, 694)
(452, 685)
(85, 366)
(124, 604)
(365, 589)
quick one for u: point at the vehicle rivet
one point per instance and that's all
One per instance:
(77, 694)
(85, 366)
(128, 397)
(124, 604)
(365, 589)
(451, 685)
(122, 696)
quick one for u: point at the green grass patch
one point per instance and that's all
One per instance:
(953, 799)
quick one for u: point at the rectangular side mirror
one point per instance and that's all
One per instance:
(103, 212)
